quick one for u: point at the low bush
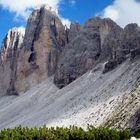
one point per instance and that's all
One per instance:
(60, 133)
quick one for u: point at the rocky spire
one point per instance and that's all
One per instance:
(12, 41)
(45, 38)
(9, 57)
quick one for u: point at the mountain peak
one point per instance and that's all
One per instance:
(14, 36)
(85, 65)
(19, 30)
(48, 8)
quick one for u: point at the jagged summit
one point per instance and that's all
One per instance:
(20, 30)
(13, 40)
(12, 34)
(48, 8)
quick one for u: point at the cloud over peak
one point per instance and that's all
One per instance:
(123, 12)
(23, 8)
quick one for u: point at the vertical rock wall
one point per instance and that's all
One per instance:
(8, 61)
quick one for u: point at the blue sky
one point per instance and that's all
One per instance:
(14, 13)
(8, 21)
(81, 11)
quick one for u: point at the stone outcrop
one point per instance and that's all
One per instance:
(111, 64)
(134, 53)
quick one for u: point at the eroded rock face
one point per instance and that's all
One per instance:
(73, 31)
(125, 43)
(45, 37)
(80, 54)
(131, 37)
(97, 40)
(8, 60)
(110, 34)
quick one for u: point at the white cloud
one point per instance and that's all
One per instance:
(21, 29)
(72, 2)
(65, 21)
(22, 7)
(123, 12)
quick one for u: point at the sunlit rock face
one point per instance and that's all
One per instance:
(45, 38)
(8, 60)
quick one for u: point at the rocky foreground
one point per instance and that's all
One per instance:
(80, 75)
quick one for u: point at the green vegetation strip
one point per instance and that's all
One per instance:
(59, 133)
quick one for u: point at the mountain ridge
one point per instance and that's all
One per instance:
(65, 74)
(69, 53)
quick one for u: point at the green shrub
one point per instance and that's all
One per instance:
(60, 133)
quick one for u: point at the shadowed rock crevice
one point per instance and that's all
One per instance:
(135, 53)
(32, 57)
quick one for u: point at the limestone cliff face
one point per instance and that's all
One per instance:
(95, 41)
(8, 60)
(80, 54)
(131, 37)
(73, 31)
(131, 40)
(98, 40)
(45, 37)
(110, 34)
